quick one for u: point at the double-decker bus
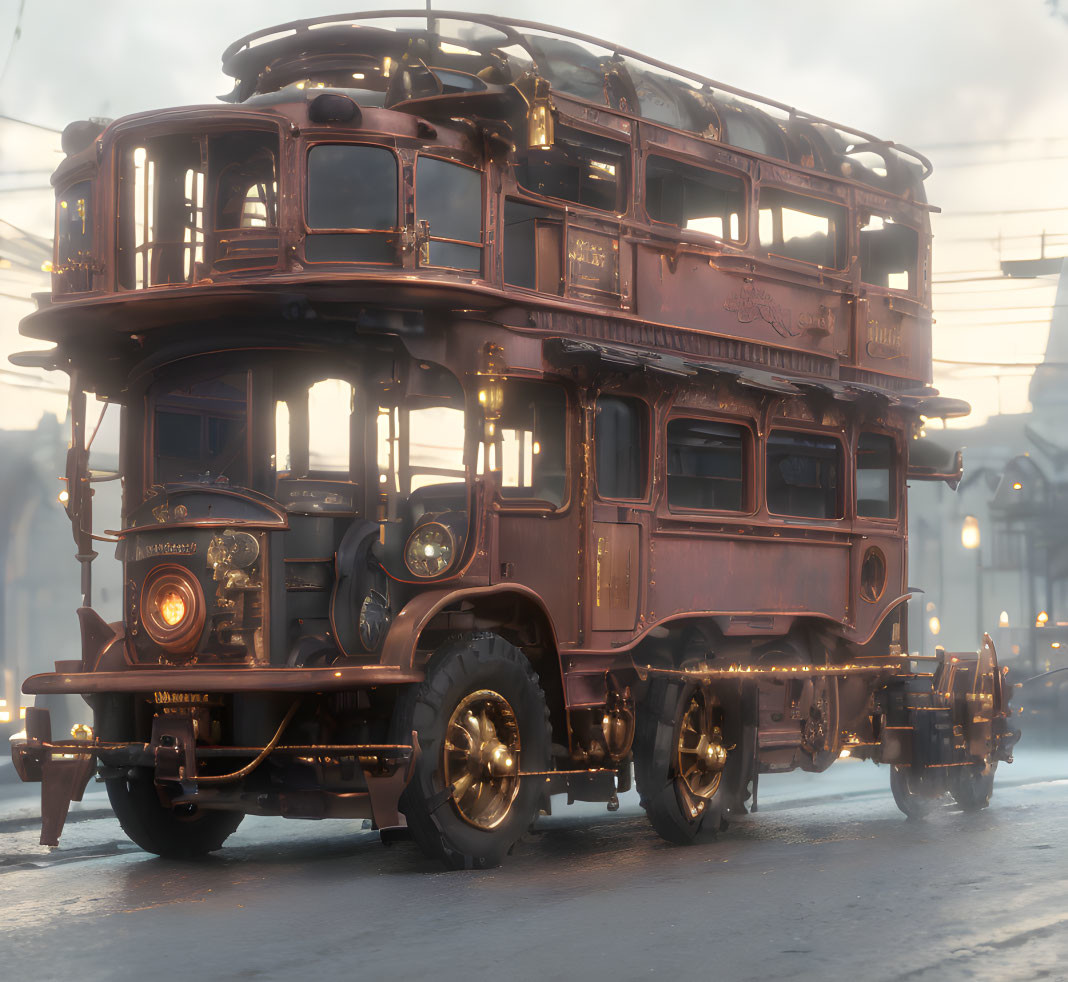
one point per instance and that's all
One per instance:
(504, 415)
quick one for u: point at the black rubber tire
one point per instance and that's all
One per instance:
(184, 832)
(655, 738)
(458, 668)
(971, 787)
(910, 794)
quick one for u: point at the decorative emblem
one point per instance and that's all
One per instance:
(885, 342)
(821, 322)
(162, 513)
(750, 303)
(180, 512)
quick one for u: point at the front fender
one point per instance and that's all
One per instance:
(410, 622)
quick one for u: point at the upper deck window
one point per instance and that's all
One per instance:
(74, 237)
(875, 475)
(889, 254)
(448, 197)
(695, 199)
(192, 203)
(799, 227)
(706, 465)
(351, 188)
(579, 167)
(803, 473)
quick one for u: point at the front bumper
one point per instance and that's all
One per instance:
(377, 773)
(221, 680)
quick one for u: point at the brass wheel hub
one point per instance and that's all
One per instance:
(701, 754)
(480, 760)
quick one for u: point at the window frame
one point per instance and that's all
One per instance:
(915, 291)
(842, 496)
(481, 244)
(648, 430)
(516, 504)
(750, 473)
(151, 406)
(896, 470)
(846, 208)
(305, 184)
(625, 184)
(697, 163)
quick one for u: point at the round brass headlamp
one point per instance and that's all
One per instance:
(430, 550)
(172, 608)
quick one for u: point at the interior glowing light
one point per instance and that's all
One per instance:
(5, 716)
(935, 625)
(358, 75)
(382, 478)
(22, 712)
(1040, 621)
(1016, 485)
(46, 266)
(1055, 644)
(846, 753)
(1003, 619)
(536, 449)
(171, 607)
(63, 497)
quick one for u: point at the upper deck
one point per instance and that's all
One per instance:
(555, 183)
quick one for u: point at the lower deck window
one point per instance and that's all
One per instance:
(200, 429)
(803, 475)
(875, 470)
(622, 446)
(528, 443)
(706, 465)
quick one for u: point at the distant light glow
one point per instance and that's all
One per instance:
(1003, 619)
(934, 625)
(969, 532)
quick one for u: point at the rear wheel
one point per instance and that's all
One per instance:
(687, 760)
(182, 832)
(915, 793)
(480, 716)
(972, 786)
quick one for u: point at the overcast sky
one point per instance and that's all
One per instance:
(934, 74)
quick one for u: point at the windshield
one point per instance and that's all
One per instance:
(381, 438)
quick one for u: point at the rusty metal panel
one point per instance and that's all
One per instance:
(691, 572)
(615, 588)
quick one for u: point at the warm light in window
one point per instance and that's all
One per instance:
(969, 532)
(1003, 619)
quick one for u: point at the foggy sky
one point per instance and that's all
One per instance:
(928, 73)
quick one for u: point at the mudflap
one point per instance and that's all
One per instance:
(64, 773)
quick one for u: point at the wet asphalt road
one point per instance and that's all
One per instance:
(828, 881)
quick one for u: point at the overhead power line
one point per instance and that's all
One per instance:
(991, 310)
(994, 214)
(26, 122)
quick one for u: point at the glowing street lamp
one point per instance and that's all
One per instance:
(1003, 620)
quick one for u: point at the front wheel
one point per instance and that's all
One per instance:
(481, 719)
(182, 832)
(688, 763)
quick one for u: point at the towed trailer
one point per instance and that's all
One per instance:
(504, 415)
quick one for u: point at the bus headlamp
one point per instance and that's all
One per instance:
(172, 608)
(430, 550)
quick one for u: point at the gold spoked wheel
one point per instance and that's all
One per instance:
(700, 753)
(481, 758)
